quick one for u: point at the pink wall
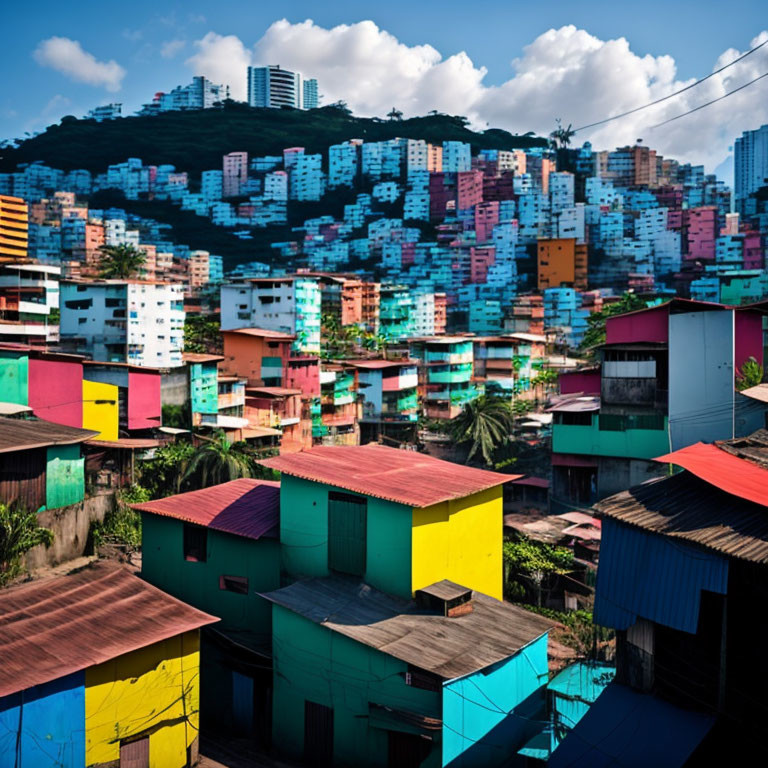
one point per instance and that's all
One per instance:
(587, 382)
(56, 391)
(753, 250)
(749, 337)
(648, 325)
(304, 376)
(144, 405)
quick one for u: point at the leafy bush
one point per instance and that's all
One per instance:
(122, 526)
(750, 374)
(19, 532)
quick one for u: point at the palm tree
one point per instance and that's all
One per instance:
(485, 422)
(218, 461)
(120, 261)
(562, 136)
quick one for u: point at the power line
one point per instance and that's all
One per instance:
(719, 98)
(676, 93)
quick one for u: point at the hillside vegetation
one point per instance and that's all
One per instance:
(195, 141)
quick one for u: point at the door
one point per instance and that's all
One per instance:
(406, 750)
(347, 530)
(242, 703)
(318, 734)
(135, 754)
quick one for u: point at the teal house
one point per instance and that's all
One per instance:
(217, 549)
(391, 645)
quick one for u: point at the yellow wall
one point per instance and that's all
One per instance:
(100, 417)
(461, 541)
(154, 691)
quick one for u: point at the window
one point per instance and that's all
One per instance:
(347, 530)
(236, 584)
(419, 678)
(195, 541)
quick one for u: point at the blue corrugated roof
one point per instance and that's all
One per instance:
(652, 576)
(627, 729)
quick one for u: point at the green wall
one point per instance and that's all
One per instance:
(163, 565)
(312, 663)
(304, 536)
(204, 387)
(590, 440)
(14, 378)
(64, 476)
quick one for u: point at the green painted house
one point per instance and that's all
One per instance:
(217, 549)
(390, 637)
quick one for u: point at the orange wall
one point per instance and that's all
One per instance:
(243, 355)
(562, 260)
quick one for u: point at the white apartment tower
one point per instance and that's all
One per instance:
(275, 87)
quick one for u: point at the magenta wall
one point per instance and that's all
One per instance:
(749, 337)
(648, 325)
(144, 405)
(56, 391)
(587, 382)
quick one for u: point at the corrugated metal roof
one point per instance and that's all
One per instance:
(376, 364)
(54, 627)
(405, 477)
(752, 448)
(26, 434)
(127, 443)
(448, 647)
(688, 508)
(246, 507)
(719, 467)
(198, 357)
(13, 409)
(272, 391)
(575, 404)
(759, 392)
(263, 333)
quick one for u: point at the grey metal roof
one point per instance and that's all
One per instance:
(448, 647)
(685, 507)
(753, 448)
(26, 434)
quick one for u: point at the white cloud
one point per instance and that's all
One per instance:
(566, 72)
(68, 57)
(170, 48)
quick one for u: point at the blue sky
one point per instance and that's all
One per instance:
(492, 33)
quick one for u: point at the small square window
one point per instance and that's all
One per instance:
(195, 543)
(236, 584)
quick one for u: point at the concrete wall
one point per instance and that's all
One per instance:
(615, 475)
(71, 528)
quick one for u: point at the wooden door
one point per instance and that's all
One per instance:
(135, 754)
(347, 531)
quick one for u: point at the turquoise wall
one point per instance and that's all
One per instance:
(44, 726)
(64, 476)
(204, 388)
(14, 378)
(312, 663)
(592, 441)
(304, 536)
(163, 565)
(490, 714)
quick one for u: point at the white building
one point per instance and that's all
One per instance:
(342, 164)
(125, 321)
(276, 186)
(105, 112)
(275, 87)
(28, 294)
(286, 304)
(201, 93)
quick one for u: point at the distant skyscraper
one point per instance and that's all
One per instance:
(105, 112)
(750, 163)
(201, 93)
(275, 87)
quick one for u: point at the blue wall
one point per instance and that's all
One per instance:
(51, 719)
(489, 715)
(653, 577)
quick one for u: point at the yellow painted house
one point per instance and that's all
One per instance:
(101, 409)
(397, 519)
(110, 676)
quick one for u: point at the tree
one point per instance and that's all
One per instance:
(19, 532)
(120, 261)
(595, 333)
(750, 374)
(561, 137)
(395, 114)
(486, 423)
(531, 563)
(218, 461)
(202, 335)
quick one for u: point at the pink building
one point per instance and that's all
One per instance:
(480, 259)
(486, 218)
(235, 173)
(56, 388)
(470, 189)
(753, 250)
(304, 373)
(702, 233)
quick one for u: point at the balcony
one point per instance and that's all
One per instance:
(614, 435)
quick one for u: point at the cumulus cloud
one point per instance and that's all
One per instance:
(566, 73)
(170, 48)
(68, 57)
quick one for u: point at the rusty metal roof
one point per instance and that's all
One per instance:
(199, 357)
(752, 448)
(688, 508)
(26, 434)
(244, 507)
(263, 333)
(54, 627)
(272, 391)
(127, 443)
(448, 647)
(405, 477)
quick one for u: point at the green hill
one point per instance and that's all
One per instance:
(195, 141)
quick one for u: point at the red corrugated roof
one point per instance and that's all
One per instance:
(729, 473)
(405, 477)
(244, 507)
(54, 627)
(263, 333)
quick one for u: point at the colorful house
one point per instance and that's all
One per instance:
(283, 411)
(121, 687)
(340, 409)
(393, 637)
(203, 385)
(217, 549)
(258, 355)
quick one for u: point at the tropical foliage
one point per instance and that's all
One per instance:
(486, 423)
(201, 335)
(750, 374)
(19, 532)
(120, 261)
(595, 333)
(122, 526)
(529, 565)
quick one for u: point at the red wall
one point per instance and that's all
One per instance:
(304, 376)
(587, 382)
(144, 404)
(56, 391)
(749, 337)
(648, 325)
